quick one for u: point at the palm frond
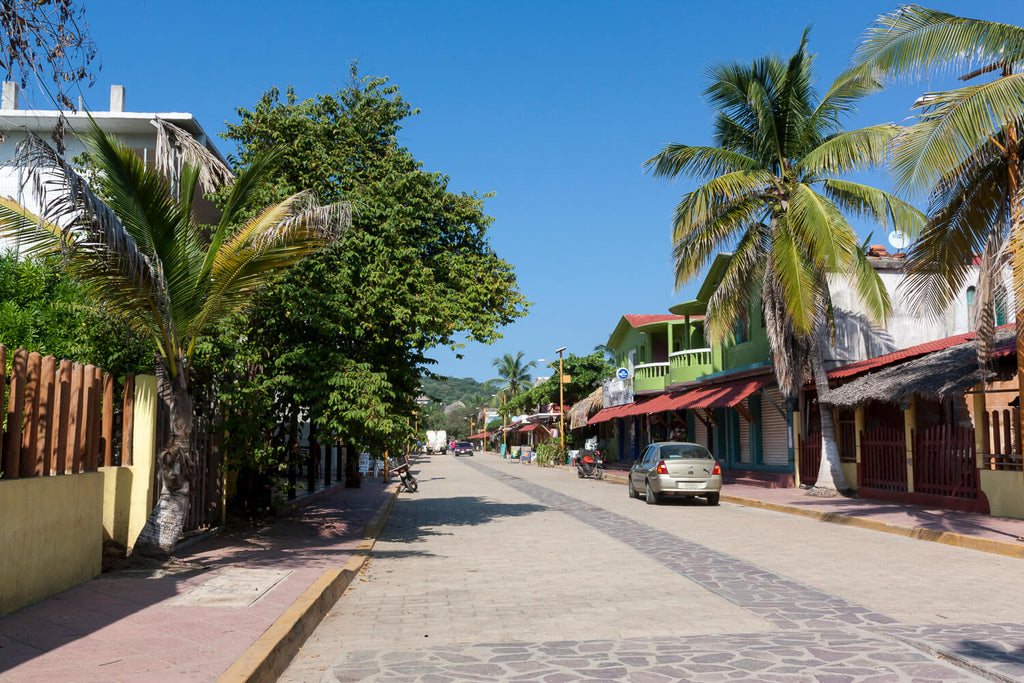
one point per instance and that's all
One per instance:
(739, 281)
(697, 162)
(849, 151)
(797, 278)
(953, 127)
(878, 205)
(915, 40)
(175, 148)
(820, 228)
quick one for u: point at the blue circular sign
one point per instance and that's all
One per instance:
(622, 373)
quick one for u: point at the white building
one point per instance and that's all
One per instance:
(136, 129)
(857, 339)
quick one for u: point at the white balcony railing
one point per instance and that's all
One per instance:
(650, 370)
(691, 357)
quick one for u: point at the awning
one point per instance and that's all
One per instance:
(720, 395)
(481, 435)
(531, 427)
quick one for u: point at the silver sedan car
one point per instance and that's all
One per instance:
(674, 468)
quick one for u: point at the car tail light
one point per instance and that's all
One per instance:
(717, 470)
(661, 468)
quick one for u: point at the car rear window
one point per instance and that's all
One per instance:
(464, 444)
(680, 451)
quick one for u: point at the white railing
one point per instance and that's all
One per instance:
(691, 357)
(651, 370)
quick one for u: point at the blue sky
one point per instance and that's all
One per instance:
(553, 106)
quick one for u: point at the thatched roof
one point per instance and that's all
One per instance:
(935, 376)
(581, 412)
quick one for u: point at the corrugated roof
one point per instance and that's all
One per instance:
(720, 395)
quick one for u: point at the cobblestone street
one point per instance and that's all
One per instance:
(498, 571)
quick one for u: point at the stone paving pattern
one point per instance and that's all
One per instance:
(422, 610)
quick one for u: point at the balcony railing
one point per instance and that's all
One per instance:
(651, 370)
(690, 358)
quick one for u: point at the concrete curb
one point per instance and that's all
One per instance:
(985, 545)
(269, 656)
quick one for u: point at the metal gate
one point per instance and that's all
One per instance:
(810, 458)
(883, 459)
(945, 462)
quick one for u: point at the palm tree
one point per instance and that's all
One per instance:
(771, 186)
(513, 373)
(130, 236)
(964, 152)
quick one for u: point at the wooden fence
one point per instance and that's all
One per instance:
(944, 462)
(60, 417)
(883, 459)
(1002, 433)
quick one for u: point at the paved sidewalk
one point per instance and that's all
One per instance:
(194, 621)
(999, 535)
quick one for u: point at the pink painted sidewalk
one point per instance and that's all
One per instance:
(123, 627)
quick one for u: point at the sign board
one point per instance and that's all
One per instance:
(616, 392)
(364, 462)
(622, 373)
(566, 379)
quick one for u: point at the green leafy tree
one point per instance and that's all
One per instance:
(584, 372)
(772, 184)
(963, 153)
(347, 332)
(142, 254)
(44, 310)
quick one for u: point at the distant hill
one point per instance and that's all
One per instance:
(452, 389)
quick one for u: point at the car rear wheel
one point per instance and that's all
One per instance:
(713, 498)
(632, 491)
(650, 495)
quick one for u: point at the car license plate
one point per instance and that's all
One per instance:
(690, 484)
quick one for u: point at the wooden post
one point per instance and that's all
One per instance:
(95, 417)
(979, 411)
(15, 412)
(45, 417)
(31, 427)
(76, 428)
(859, 421)
(62, 413)
(128, 421)
(107, 437)
(909, 429)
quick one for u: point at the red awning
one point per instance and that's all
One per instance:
(720, 395)
(531, 427)
(481, 435)
(660, 403)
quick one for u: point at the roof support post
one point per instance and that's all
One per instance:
(979, 412)
(909, 429)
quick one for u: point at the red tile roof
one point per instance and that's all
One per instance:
(636, 320)
(863, 366)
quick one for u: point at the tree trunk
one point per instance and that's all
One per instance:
(175, 461)
(831, 480)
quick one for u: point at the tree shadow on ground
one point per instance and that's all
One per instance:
(975, 649)
(422, 517)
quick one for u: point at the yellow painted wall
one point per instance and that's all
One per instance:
(1005, 491)
(850, 472)
(51, 537)
(117, 494)
(143, 455)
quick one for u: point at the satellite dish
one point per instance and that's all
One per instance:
(899, 240)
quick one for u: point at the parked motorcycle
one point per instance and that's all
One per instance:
(590, 465)
(406, 480)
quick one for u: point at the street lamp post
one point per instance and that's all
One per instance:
(561, 399)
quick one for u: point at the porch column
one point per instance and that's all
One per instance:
(980, 413)
(909, 427)
(858, 427)
(797, 440)
(670, 347)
